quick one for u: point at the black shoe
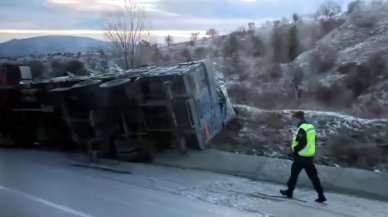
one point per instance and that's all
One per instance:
(286, 193)
(321, 199)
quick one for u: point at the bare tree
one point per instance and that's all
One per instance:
(295, 80)
(355, 6)
(212, 33)
(328, 9)
(169, 40)
(126, 30)
(295, 17)
(186, 54)
(194, 38)
(144, 53)
(251, 26)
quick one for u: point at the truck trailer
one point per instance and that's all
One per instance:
(131, 115)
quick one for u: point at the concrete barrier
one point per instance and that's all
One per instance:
(351, 181)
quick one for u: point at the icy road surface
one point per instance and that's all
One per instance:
(39, 184)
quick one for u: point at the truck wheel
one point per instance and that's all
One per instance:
(147, 150)
(182, 144)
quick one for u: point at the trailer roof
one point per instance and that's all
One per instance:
(152, 71)
(161, 71)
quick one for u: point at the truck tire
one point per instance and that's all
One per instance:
(182, 145)
(147, 150)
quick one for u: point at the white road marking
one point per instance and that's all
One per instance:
(46, 202)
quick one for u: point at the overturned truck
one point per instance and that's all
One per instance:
(131, 116)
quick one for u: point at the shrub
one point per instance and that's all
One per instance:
(258, 46)
(275, 71)
(166, 58)
(157, 56)
(261, 78)
(295, 80)
(76, 67)
(59, 68)
(243, 76)
(238, 94)
(363, 76)
(366, 22)
(323, 93)
(374, 109)
(293, 45)
(219, 42)
(350, 151)
(326, 26)
(230, 48)
(347, 68)
(322, 60)
(144, 53)
(278, 45)
(358, 80)
(37, 68)
(354, 6)
(274, 120)
(215, 53)
(376, 64)
(270, 100)
(336, 95)
(297, 76)
(103, 66)
(201, 52)
(186, 54)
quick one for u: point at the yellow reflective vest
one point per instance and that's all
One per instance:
(310, 149)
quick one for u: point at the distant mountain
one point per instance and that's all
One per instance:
(49, 44)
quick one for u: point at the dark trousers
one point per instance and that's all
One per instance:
(308, 165)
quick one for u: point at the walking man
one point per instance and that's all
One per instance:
(304, 148)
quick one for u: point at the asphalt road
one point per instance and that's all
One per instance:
(43, 184)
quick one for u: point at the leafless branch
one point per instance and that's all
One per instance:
(126, 29)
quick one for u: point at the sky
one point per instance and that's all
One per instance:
(28, 18)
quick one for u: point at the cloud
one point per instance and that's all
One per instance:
(109, 5)
(163, 14)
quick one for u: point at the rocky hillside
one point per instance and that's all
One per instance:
(340, 64)
(356, 55)
(344, 70)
